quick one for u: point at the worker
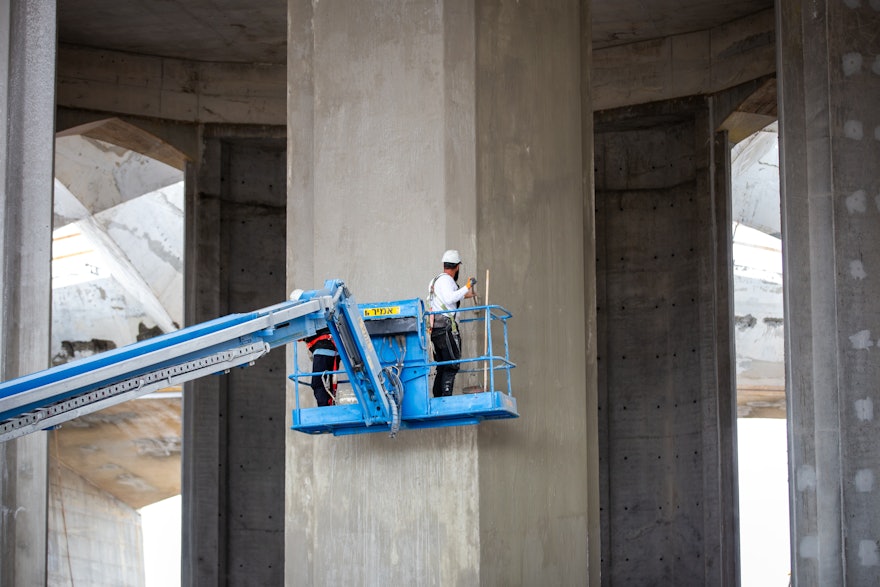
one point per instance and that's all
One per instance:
(444, 295)
(325, 358)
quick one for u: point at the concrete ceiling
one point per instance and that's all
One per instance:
(244, 31)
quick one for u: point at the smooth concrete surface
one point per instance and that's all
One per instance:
(829, 147)
(666, 393)
(457, 506)
(536, 477)
(381, 182)
(27, 96)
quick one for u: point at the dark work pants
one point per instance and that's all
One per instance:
(322, 363)
(447, 347)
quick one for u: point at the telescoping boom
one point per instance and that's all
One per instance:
(383, 350)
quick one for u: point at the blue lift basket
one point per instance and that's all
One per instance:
(399, 336)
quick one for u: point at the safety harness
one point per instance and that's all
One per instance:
(431, 297)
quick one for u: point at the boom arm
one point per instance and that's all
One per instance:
(54, 396)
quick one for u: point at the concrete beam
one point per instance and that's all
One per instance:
(701, 62)
(116, 131)
(173, 89)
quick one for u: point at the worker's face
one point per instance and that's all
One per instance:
(457, 268)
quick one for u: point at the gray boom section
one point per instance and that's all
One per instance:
(104, 397)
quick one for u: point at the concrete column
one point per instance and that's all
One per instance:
(234, 425)
(27, 96)
(666, 392)
(416, 127)
(829, 149)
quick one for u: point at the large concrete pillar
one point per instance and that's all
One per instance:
(829, 150)
(666, 392)
(27, 103)
(234, 425)
(416, 127)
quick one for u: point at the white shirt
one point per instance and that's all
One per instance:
(446, 294)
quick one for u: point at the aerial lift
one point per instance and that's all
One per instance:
(383, 348)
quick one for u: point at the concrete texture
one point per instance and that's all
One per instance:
(381, 172)
(701, 60)
(532, 209)
(27, 95)
(172, 89)
(436, 153)
(233, 474)
(94, 539)
(830, 143)
(131, 451)
(666, 395)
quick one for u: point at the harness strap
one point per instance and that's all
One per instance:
(318, 339)
(432, 296)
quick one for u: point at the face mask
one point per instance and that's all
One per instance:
(455, 277)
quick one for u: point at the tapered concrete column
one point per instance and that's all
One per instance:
(27, 102)
(829, 153)
(415, 127)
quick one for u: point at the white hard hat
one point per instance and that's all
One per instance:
(451, 256)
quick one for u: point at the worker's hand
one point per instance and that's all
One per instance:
(471, 282)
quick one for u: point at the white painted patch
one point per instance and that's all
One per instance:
(806, 478)
(857, 202)
(868, 554)
(861, 340)
(852, 63)
(852, 129)
(809, 547)
(865, 409)
(877, 128)
(853, 3)
(857, 269)
(864, 480)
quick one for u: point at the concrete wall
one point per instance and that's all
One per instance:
(93, 538)
(666, 394)
(829, 148)
(450, 131)
(234, 425)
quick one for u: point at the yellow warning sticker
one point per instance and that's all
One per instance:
(381, 312)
